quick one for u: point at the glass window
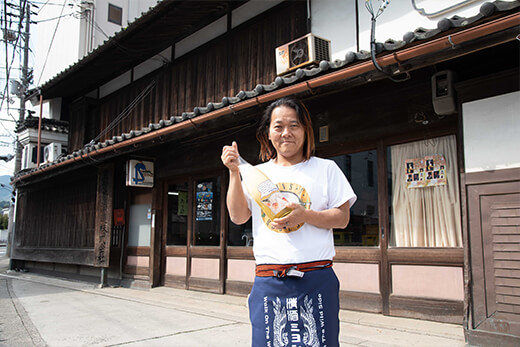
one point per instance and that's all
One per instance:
(177, 214)
(240, 235)
(140, 218)
(424, 194)
(361, 171)
(115, 14)
(207, 212)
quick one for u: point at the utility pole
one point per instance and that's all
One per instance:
(24, 12)
(24, 78)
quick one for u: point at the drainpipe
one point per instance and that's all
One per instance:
(349, 72)
(309, 17)
(38, 149)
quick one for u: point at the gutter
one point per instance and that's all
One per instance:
(361, 68)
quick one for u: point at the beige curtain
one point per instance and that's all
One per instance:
(429, 216)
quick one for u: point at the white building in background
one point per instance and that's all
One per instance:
(64, 33)
(67, 30)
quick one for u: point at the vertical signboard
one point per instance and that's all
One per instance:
(103, 225)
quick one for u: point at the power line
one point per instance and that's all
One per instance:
(52, 41)
(9, 65)
(61, 16)
(5, 166)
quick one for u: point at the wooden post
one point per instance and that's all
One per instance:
(156, 234)
(103, 225)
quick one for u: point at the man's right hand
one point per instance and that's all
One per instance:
(230, 157)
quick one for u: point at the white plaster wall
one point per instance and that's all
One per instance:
(400, 17)
(153, 63)
(202, 36)
(335, 20)
(491, 133)
(104, 28)
(31, 135)
(137, 7)
(251, 9)
(59, 52)
(115, 84)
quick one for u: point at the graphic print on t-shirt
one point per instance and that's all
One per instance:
(294, 193)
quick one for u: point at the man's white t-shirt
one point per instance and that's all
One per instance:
(317, 183)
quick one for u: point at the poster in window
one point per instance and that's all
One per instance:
(182, 208)
(204, 201)
(428, 171)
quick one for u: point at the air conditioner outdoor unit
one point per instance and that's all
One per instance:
(309, 49)
(51, 152)
(29, 156)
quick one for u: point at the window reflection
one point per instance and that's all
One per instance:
(240, 235)
(361, 171)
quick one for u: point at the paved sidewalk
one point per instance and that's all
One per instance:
(39, 310)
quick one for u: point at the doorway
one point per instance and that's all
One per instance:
(194, 251)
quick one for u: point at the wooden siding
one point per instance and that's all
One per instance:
(493, 231)
(505, 234)
(58, 216)
(236, 61)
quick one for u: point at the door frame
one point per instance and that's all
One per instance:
(188, 251)
(211, 252)
(173, 250)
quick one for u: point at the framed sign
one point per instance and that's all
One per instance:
(139, 173)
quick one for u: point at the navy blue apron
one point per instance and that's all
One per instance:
(293, 311)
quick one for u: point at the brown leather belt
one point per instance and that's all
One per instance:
(283, 270)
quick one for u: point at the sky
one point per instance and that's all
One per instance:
(8, 114)
(10, 62)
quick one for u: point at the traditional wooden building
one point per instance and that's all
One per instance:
(429, 144)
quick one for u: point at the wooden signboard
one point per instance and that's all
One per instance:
(105, 187)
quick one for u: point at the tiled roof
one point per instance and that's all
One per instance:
(52, 125)
(306, 74)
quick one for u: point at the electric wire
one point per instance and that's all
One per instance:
(50, 19)
(5, 166)
(146, 91)
(373, 46)
(9, 65)
(50, 45)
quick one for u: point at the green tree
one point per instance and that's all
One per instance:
(4, 221)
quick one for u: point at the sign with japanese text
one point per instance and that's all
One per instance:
(119, 216)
